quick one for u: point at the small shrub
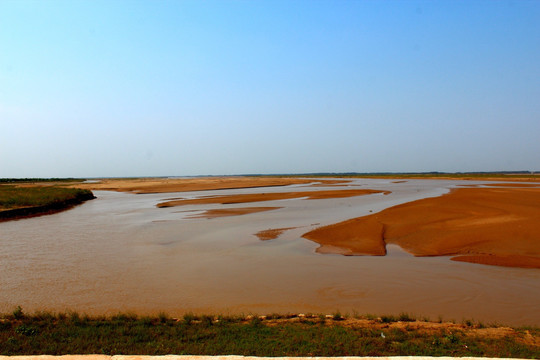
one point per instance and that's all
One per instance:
(405, 317)
(124, 317)
(256, 321)
(480, 325)
(388, 318)
(43, 316)
(337, 316)
(18, 313)
(207, 320)
(228, 319)
(145, 321)
(26, 330)
(451, 338)
(370, 317)
(74, 317)
(163, 317)
(189, 318)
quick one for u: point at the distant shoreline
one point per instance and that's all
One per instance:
(474, 175)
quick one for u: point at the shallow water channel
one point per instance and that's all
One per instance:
(120, 252)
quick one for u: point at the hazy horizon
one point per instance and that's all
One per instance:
(385, 173)
(187, 88)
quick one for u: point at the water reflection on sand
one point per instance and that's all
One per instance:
(122, 253)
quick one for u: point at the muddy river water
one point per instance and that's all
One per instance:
(120, 252)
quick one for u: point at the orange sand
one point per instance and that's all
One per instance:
(163, 185)
(333, 183)
(245, 198)
(502, 185)
(499, 260)
(361, 236)
(271, 234)
(515, 185)
(214, 213)
(483, 225)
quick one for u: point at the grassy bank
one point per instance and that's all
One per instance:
(20, 201)
(38, 180)
(46, 333)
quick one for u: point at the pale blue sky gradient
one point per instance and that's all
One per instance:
(141, 88)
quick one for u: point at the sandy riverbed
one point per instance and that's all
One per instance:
(215, 213)
(480, 225)
(248, 198)
(164, 185)
(271, 234)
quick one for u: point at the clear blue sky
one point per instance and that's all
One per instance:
(139, 88)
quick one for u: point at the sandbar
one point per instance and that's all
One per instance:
(164, 185)
(247, 198)
(492, 226)
(360, 236)
(215, 213)
(500, 260)
(271, 234)
(514, 185)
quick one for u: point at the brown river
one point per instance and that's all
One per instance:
(120, 252)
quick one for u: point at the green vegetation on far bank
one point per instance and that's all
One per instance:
(16, 197)
(38, 180)
(309, 335)
(20, 201)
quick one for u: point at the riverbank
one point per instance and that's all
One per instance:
(27, 200)
(270, 335)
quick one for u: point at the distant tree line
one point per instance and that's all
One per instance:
(20, 180)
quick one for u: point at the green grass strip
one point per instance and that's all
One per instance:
(16, 197)
(59, 334)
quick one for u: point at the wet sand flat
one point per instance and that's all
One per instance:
(483, 225)
(247, 198)
(362, 236)
(214, 213)
(514, 185)
(164, 185)
(271, 234)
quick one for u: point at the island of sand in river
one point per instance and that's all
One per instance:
(482, 225)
